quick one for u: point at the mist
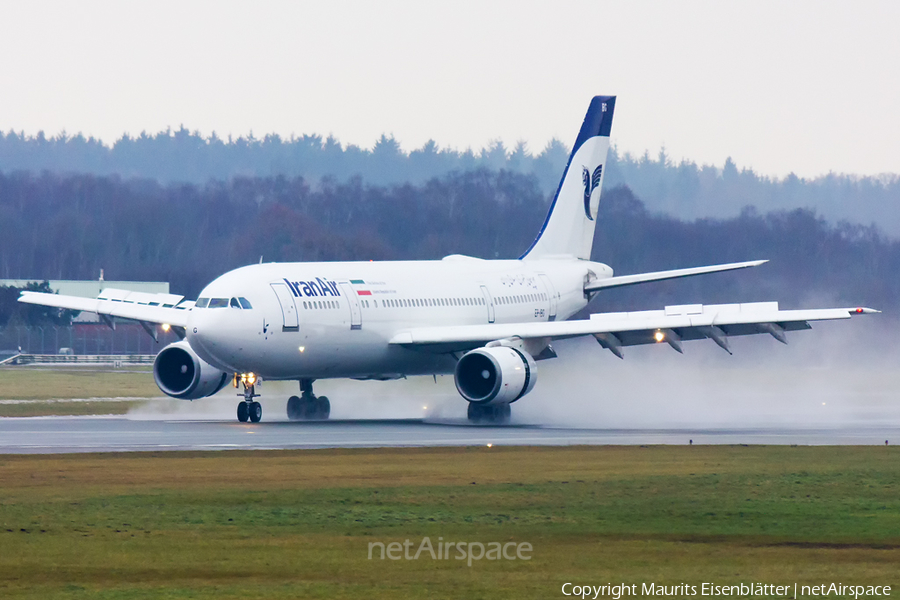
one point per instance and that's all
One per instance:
(839, 374)
(828, 377)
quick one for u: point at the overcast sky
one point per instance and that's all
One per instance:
(804, 86)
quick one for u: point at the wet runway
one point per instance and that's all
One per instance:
(116, 434)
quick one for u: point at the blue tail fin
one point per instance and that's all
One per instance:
(569, 227)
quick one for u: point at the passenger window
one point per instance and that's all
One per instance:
(218, 303)
(235, 303)
(202, 302)
(245, 304)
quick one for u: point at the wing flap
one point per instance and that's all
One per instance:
(689, 322)
(152, 308)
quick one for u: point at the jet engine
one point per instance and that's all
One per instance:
(180, 373)
(495, 375)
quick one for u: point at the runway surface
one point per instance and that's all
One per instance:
(115, 434)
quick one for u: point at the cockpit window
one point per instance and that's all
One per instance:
(202, 302)
(234, 303)
(218, 303)
(244, 303)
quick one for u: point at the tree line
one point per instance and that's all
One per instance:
(682, 189)
(57, 226)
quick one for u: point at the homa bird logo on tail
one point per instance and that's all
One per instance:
(590, 184)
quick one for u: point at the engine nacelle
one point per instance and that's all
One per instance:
(496, 375)
(180, 373)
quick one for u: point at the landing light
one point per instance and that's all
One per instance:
(248, 378)
(659, 336)
(302, 349)
(166, 327)
(490, 445)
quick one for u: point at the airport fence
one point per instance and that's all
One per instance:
(82, 338)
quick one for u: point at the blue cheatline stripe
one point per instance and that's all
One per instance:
(597, 122)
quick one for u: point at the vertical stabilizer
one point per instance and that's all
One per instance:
(569, 227)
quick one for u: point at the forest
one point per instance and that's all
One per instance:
(69, 226)
(681, 189)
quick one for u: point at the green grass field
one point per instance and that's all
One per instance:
(297, 524)
(40, 387)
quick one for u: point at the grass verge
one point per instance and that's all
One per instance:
(297, 524)
(37, 390)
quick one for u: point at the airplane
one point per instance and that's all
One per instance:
(486, 322)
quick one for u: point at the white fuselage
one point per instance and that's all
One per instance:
(327, 320)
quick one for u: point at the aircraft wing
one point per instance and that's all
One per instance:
(613, 331)
(622, 280)
(165, 309)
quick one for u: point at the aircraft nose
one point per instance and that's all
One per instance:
(204, 332)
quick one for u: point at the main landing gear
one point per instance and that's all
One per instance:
(308, 407)
(248, 409)
(494, 414)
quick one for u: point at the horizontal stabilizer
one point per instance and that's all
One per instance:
(623, 280)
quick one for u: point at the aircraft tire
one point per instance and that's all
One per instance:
(307, 408)
(501, 414)
(497, 415)
(294, 408)
(475, 413)
(323, 408)
(243, 412)
(255, 410)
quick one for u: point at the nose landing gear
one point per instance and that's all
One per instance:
(248, 409)
(308, 407)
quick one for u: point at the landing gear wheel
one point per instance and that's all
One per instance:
(494, 414)
(502, 414)
(307, 407)
(248, 409)
(294, 408)
(323, 408)
(479, 413)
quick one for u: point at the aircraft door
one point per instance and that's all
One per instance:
(551, 293)
(355, 309)
(489, 302)
(288, 308)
